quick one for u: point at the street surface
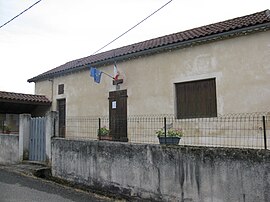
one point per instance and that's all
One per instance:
(15, 187)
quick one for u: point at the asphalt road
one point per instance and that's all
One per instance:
(15, 187)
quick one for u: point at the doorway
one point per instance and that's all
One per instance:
(61, 107)
(118, 115)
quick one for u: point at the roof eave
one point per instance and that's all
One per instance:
(180, 44)
(17, 101)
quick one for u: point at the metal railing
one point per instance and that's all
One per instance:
(234, 130)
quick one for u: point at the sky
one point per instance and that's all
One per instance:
(54, 32)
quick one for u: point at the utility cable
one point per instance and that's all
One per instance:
(132, 27)
(20, 14)
(127, 32)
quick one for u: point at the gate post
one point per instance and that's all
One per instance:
(51, 131)
(24, 133)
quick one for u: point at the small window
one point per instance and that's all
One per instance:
(196, 99)
(60, 89)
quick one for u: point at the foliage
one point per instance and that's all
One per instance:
(103, 131)
(170, 133)
(5, 129)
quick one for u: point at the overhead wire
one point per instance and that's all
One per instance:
(107, 43)
(127, 32)
(110, 41)
(132, 27)
(20, 14)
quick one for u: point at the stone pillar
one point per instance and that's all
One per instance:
(24, 134)
(51, 131)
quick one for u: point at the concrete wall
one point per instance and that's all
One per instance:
(240, 65)
(165, 173)
(9, 148)
(51, 123)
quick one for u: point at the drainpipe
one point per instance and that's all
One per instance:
(51, 80)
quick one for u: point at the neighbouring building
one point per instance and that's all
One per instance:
(216, 69)
(13, 104)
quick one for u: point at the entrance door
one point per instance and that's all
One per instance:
(118, 115)
(61, 106)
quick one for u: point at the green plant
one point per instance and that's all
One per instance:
(170, 133)
(5, 129)
(103, 131)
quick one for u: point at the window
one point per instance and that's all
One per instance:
(196, 99)
(60, 89)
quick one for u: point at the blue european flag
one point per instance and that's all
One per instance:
(96, 74)
(92, 71)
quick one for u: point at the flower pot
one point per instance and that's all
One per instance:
(105, 137)
(169, 140)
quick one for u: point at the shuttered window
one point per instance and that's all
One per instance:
(60, 89)
(196, 99)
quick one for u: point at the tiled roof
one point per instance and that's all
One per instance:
(9, 96)
(226, 27)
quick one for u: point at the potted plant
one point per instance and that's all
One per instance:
(104, 134)
(6, 129)
(173, 136)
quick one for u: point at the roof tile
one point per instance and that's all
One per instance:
(23, 97)
(196, 33)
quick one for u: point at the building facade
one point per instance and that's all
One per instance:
(217, 69)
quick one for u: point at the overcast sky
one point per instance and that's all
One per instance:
(57, 31)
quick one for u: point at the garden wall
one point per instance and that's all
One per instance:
(164, 173)
(9, 149)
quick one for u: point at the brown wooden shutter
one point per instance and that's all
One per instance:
(196, 99)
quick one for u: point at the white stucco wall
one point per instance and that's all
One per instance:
(240, 65)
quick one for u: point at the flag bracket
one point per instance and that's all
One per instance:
(118, 81)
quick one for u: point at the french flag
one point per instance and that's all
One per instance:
(116, 72)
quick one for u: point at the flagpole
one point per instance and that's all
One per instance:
(103, 73)
(108, 75)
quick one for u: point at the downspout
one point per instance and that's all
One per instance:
(52, 84)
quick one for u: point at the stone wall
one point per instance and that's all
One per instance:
(164, 173)
(9, 148)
